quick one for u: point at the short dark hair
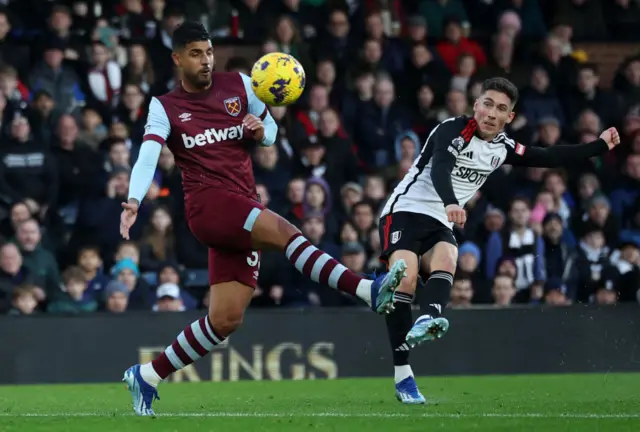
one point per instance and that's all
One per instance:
(462, 276)
(363, 203)
(73, 274)
(501, 85)
(187, 32)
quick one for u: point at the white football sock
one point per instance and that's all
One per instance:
(363, 291)
(149, 375)
(402, 372)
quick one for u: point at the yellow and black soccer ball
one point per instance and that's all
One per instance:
(278, 79)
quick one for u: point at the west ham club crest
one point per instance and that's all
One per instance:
(233, 105)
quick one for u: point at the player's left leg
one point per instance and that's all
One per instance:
(441, 263)
(271, 231)
(232, 275)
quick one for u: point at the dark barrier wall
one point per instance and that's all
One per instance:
(274, 345)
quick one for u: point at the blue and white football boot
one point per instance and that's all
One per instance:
(426, 329)
(407, 392)
(385, 285)
(143, 394)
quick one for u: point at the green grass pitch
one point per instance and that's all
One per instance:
(598, 402)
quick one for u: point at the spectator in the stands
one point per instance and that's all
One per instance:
(380, 121)
(314, 229)
(168, 299)
(270, 170)
(132, 111)
(28, 172)
(599, 213)
(104, 80)
(589, 95)
(461, 291)
(57, 79)
(503, 61)
(78, 165)
(335, 41)
(90, 262)
(139, 68)
(40, 262)
(116, 297)
(627, 193)
(326, 75)
(288, 39)
(92, 130)
(354, 257)
(591, 262)
(12, 53)
(539, 100)
(455, 44)
(158, 240)
(392, 54)
(503, 290)
(438, 12)
(23, 301)
(140, 294)
(363, 215)
(13, 273)
(521, 243)
(72, 299)
(44, 118)
(99, 218)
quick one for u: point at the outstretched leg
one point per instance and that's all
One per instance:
(271, 231)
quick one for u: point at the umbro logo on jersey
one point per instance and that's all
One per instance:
(468, 155)
(185, 117)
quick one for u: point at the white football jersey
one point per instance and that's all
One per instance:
(469, 159)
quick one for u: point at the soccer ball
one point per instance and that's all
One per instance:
(278, 79)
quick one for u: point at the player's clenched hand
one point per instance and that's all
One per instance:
(456, 214)
(128, 217)
(255, 125)
(611, 137)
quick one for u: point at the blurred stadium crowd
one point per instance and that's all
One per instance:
(76, 77)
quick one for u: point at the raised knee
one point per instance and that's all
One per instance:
(225, 323)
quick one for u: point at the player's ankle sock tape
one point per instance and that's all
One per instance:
(399, 322)
(436, 293)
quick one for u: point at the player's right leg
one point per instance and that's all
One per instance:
(232, 277)
(271, 231)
